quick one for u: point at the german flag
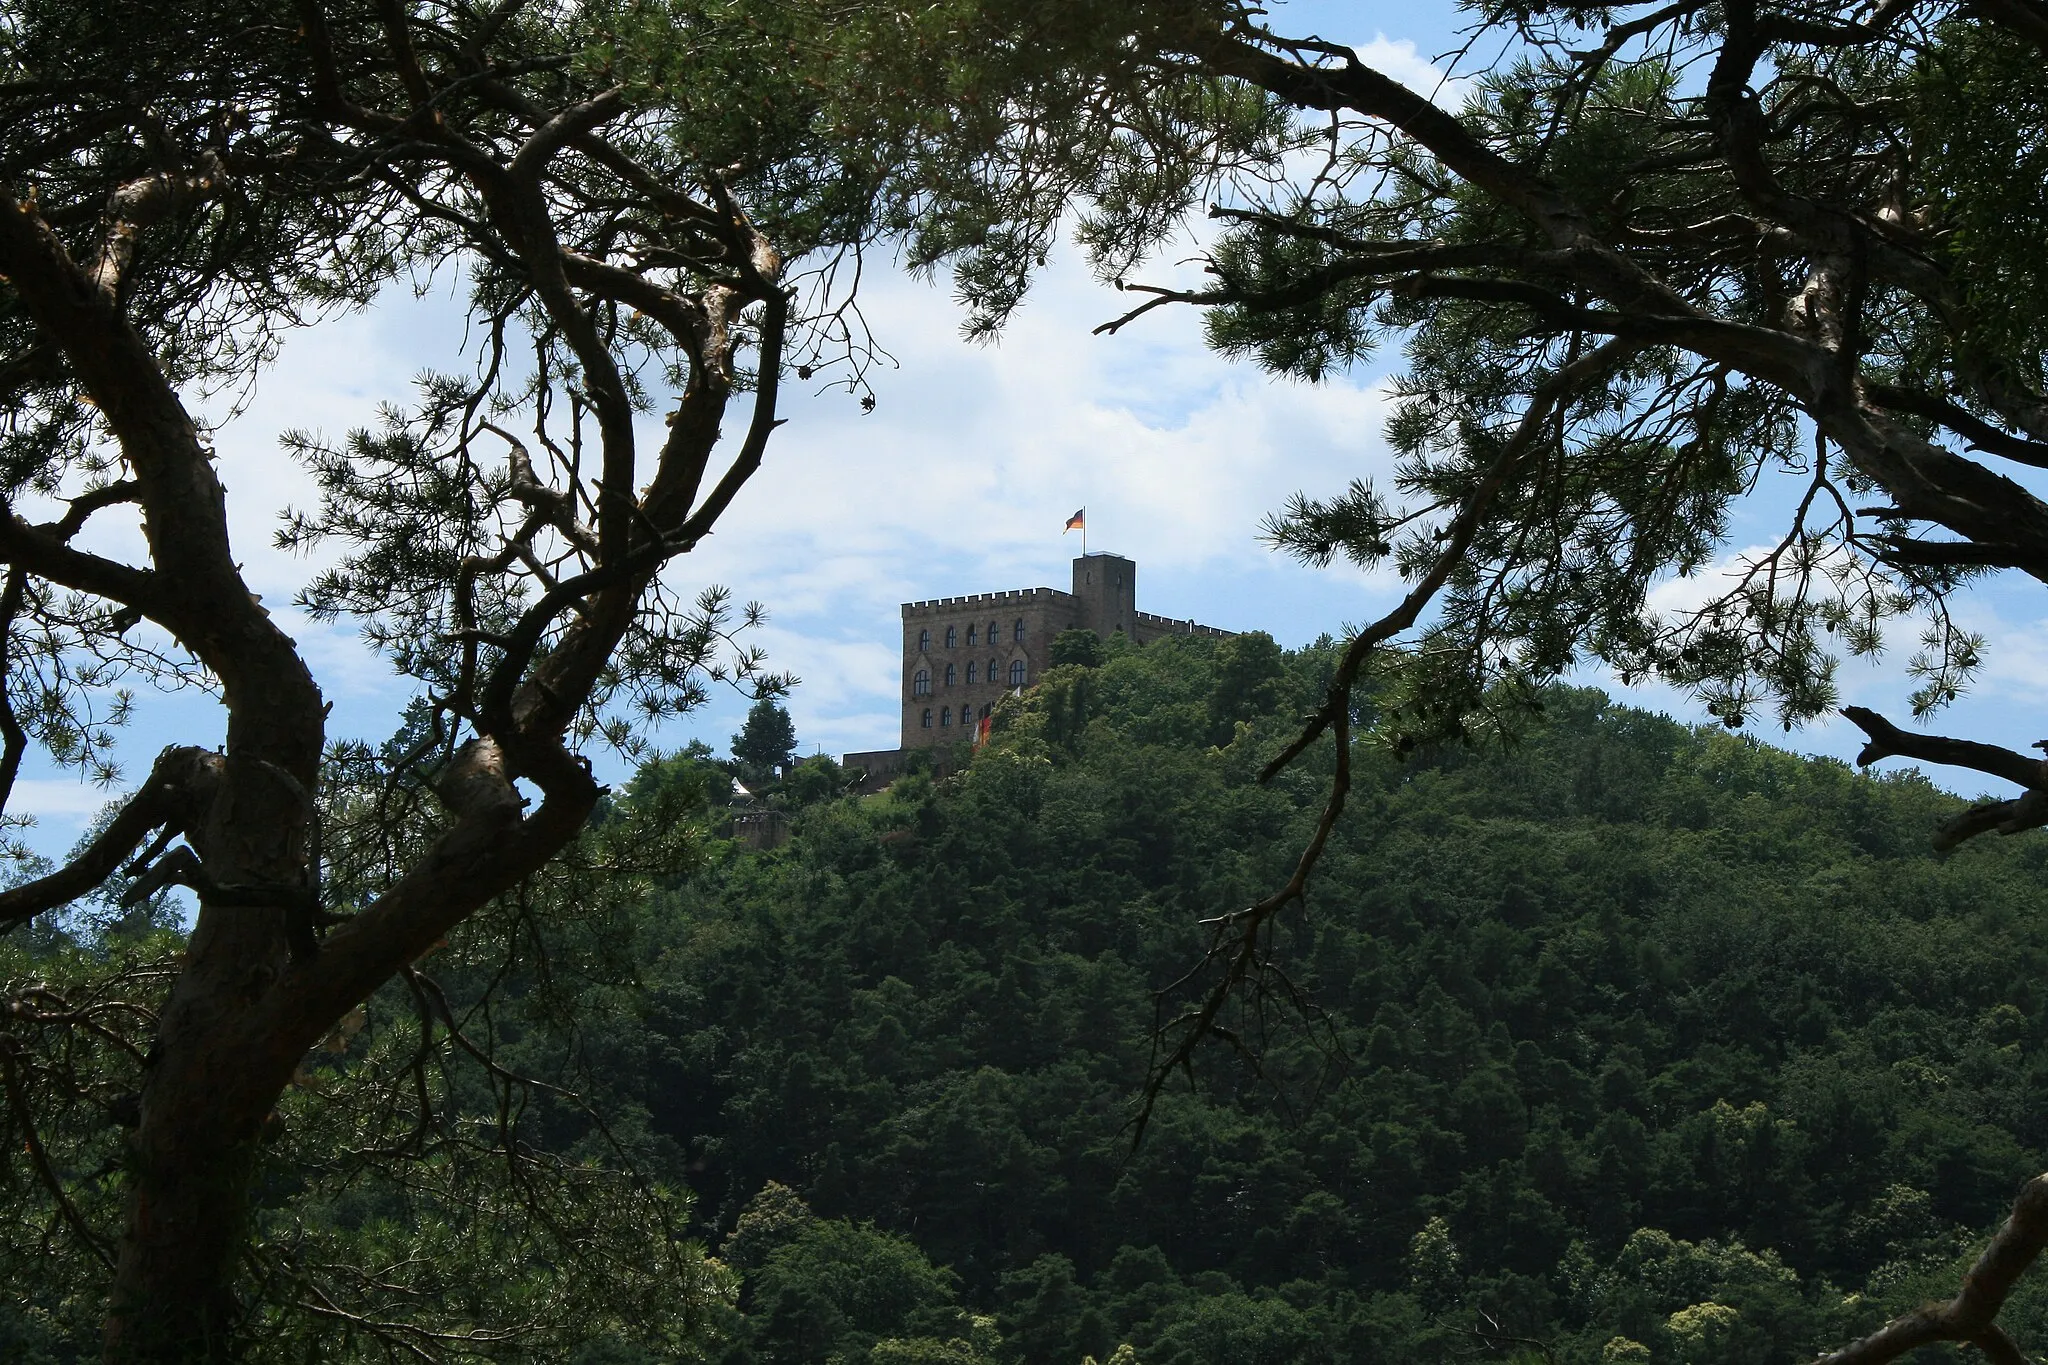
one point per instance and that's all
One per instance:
(1076, 522)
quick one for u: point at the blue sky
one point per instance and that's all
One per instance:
(959, 482)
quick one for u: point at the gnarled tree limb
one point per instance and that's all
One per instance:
(1889, 741)
(1971, 1315)
(2027, 811)
(177, 792)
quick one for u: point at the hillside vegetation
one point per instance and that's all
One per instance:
(1637, 1043)
(1641, 1040)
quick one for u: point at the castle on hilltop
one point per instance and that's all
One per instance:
(963, 654)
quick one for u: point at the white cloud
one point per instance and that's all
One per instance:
(1399, 58)
(66, 803)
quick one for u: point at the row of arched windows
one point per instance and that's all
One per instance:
(974, 636)
(921, 681)
(946, 715)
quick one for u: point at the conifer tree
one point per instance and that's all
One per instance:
(766, 743)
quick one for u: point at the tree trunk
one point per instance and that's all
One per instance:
(173, 1299)
(211, 1085)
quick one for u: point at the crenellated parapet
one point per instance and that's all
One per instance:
(963, 654)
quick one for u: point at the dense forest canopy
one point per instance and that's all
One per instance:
(1642, 1043)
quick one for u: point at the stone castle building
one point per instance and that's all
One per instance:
(963, 654)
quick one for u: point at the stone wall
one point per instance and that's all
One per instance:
(954, 633)
(936, 638)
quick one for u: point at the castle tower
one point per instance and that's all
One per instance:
(963, 655)
(1106, 594)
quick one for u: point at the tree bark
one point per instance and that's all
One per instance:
(202, 1103)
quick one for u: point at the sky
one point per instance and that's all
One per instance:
(959, 482)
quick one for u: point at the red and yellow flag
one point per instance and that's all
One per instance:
(1076, 522)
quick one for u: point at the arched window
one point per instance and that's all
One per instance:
(971, 641)
(927, 717)
(921, 684)
(971, 667)
(992, 671)
(952, 675)
(1017, 632)
(924, 641)
(992, 632)
(945, 715)
(1016, 672)
(952, 636)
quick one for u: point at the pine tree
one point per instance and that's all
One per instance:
(766, 744)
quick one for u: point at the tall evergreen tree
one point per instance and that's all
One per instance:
(766, 743)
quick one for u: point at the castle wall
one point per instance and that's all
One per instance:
(1025, 621)
(1152, 627)
(954, 633)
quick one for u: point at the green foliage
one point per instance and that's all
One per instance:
(453, 1173)
(1978, 109)
(1081, 648)
(1653, 1043)
(813, 780)
(837, 1281)
(678, 786)
(766, 743)
(1250, 677)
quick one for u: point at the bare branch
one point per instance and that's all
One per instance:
(1889, 741)
(177, 791)
(563, 128)
(488, 849)
(2028, 18)
(2024, 812)
(1969, 1316)
(1965, 424)
(32, 1142)
(14, 737)
(136, 205)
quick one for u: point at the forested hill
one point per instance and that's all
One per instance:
(1639, 1045)
(1651, 1043)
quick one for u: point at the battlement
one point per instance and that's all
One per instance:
(1013, 595)
(962, 655)
(1169, 626)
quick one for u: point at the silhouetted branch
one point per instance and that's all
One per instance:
(2027, 811)
(1236, 934)
(178, 787)
(1969, 1316)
